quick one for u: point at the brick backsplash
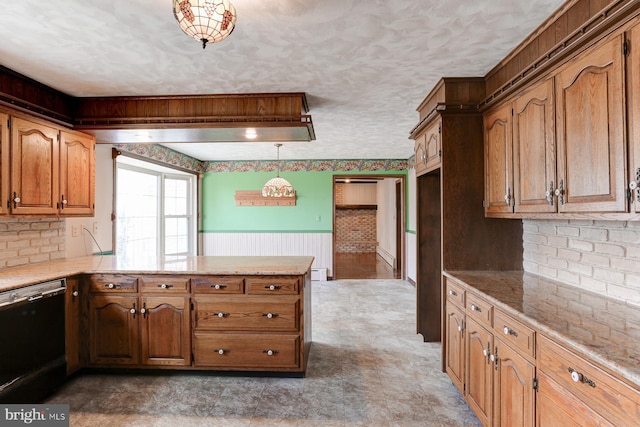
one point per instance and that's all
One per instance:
(356, 230)
(599, 256)
(28, 241)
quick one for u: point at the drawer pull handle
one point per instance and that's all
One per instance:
(272, 287)
(221, 314)
(270, 315)
(508, 331)
(165, 286)
(221, 351)
(453, 293)
(579, 377)
(459, 328)
(476, 308)
(218, 286)
(111, 286)
(270, 352)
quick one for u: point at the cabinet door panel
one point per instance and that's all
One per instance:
(34, 168)
(455, 346)
(113, 332)
(590, 130)
(4, 164)
(498, 161)
(514, 397)
(633, 102)
(166, 332)
(77, 174)
(534, 149)
(479, 374)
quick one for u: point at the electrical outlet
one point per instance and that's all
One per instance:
(74, 230)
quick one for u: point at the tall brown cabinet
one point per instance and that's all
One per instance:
(452, 231)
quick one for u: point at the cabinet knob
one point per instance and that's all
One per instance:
(485, 352)
(270, 352)
(475, 308)
(111, 286)
(453, 293)
(459, 328)
(270, 315)
(220, 351)
(75, 293)
(221, 315)
(578, 377)
(132, 311)
(17, 199)
(272, 287)
(165, 286)
(218, 286)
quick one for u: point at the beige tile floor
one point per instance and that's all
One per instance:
(367, 367)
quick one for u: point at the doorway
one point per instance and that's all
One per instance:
(368, 226)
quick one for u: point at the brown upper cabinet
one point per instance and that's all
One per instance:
(52, 170)
(633, 103)
(428, 150)
(590, 121)
(560, 146)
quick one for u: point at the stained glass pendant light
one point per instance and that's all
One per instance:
(278, 187)
(208, 21)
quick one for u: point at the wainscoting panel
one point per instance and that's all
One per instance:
(318, 245)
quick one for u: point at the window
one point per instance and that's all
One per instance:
(155, 210)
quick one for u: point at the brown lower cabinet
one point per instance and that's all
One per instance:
(513, 375)
(259, 323)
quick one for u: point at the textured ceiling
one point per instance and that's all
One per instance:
(364, 65)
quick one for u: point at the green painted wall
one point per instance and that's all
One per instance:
(312, 213)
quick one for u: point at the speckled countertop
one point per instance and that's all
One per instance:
(604, 329)
(13, 278)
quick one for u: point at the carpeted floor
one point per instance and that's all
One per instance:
(367, 367)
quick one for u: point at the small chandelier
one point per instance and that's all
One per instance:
(278, 187)
(208, 21)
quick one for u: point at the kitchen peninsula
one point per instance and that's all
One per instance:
(187, 312)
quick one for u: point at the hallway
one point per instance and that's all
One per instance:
(363, 266)
(367, 367)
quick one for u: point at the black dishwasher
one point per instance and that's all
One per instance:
(32, 342)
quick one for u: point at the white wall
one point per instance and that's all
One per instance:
(386, 220)
(410, 236)
(82, 243)
(599, 256)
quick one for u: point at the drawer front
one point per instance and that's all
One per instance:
(275, 285)
(455, 292)
(479, 309)
(247, 351)
(234, 315)
(112, 283)
(164, 284)
(217, 285)
(606, 395)
(514, 332)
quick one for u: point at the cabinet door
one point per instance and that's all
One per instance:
(590, 124)
(479, 372)
(633, 102)
(113, 330)
(34, 168)
(433, 145)
(77, 174)
(513, 393)
(4, 164)
(72, 325)
(498, 161)
(166, 331)
(454, 358)
(534, 160)
(555, 406)
(420, 152)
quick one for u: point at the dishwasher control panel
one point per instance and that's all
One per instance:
(32, 292)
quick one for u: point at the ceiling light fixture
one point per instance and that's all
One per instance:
(208, 21)
(278, 187)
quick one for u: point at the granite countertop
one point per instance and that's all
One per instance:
(605, 329)
(13, 278)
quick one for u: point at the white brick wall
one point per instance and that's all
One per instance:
(28, 241)
(599, 256)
